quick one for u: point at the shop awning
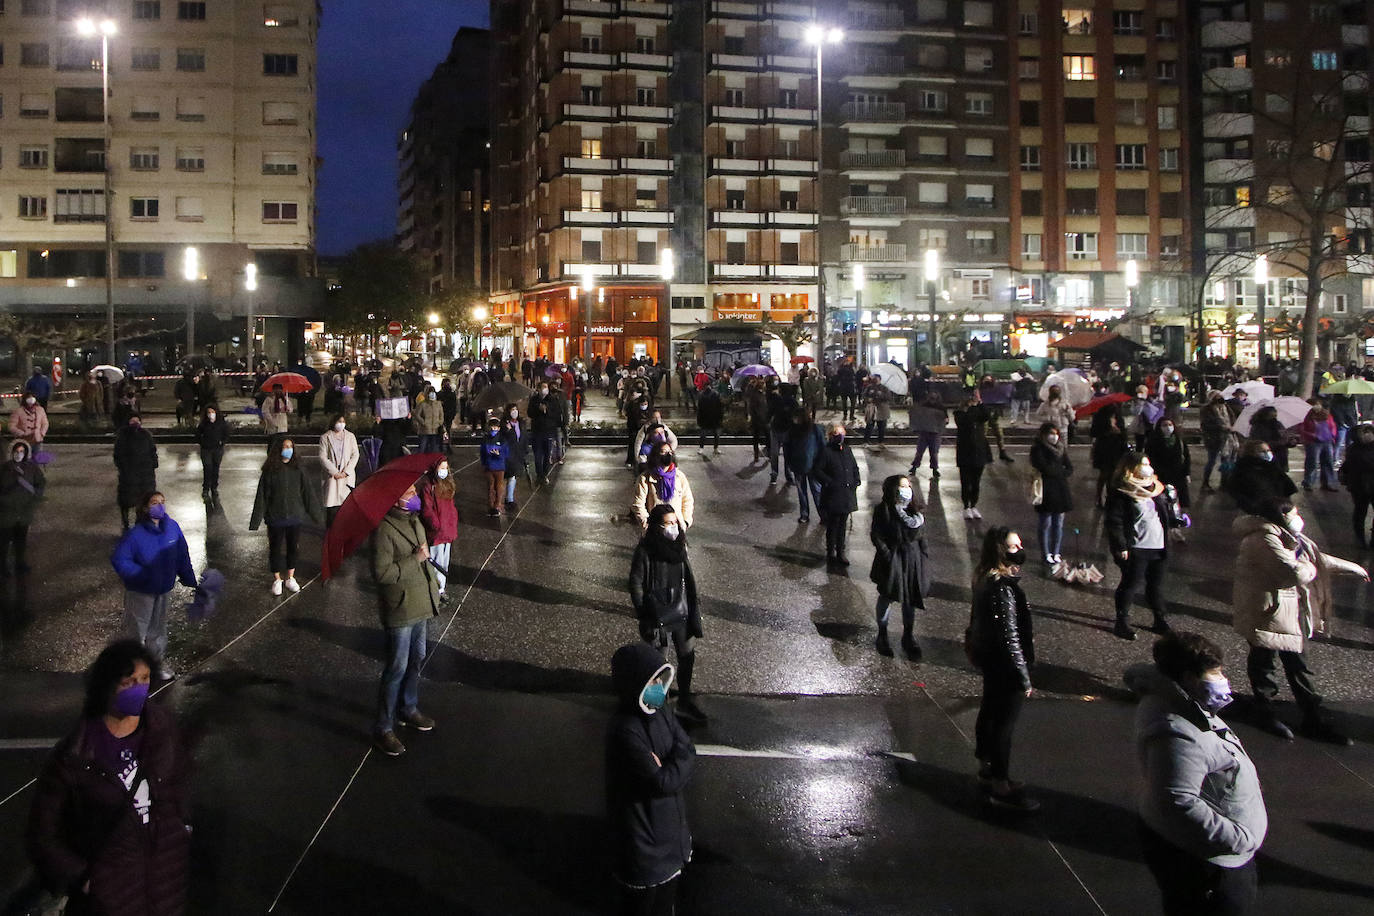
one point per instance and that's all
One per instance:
(1091, 340)
(725, 329)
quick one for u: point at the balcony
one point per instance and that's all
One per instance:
(589, 217)
(739, 271)
(791, 62)
(874, 206)
(797, 12)
(1229, 218)
(589, 60)
(734, 62)
(871, 253)
(575, 270)
(656, 113)
(1226, 124)
(730, 9)
(1228, 79)
(646, 217)
(646, 9)
(632, 60)
(736, 166)
(584, 166)
(881, 112)
(875, 20)
(1225, 33)
(792, 115)
(792, 271)
(878, 65)
(792, 166)
(735, 113)
(576, 111)
(793, 219)
(736, 218)
(873, 159)
(652, 166)
(607, 8)
(1227, 171)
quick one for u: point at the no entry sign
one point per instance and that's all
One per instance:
(394, 329)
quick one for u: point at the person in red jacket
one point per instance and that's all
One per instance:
(440, 517)
(1319, 442)
(108, 824)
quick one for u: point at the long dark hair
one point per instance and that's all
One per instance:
(659, 547)
(274, 464)
(890, 487)
(114, 663)
(990, 560)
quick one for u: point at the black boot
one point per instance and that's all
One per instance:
(883, 646)
(686, 705)
(910, 647)
(1123, 630)
(1160, 624)
(214, 496)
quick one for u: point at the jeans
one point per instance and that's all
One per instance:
(1051, 533)
(145, 619)
(836, 524)
(908, 614)
(18, 535)
(806, 487)
(881, 426)
(1323, 455)
(1019, 408)
(1213, 455)
(970, 479)
(210, 459)
(543, 455)
(1192, 886)
(281, 547)
(511, 481)
(998, 711)
(701, 439)
(440, 555)
(399, 690)
(1259, 665)
(431, 443)
(927, 442)
(775, 437)
(1140, 562)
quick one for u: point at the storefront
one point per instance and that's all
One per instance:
(625, 322)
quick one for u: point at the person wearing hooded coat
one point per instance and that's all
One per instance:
(1170, 458)
(150, 559)
(29, 421)
(710, 416)
(664, 594)
(1357, 474)
(135, 458)
(21, 490)
(649, 761)
(901, 568)
(1280, 598)
(1257, 478)
(837, 472)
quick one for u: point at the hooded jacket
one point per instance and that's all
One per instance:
(285, 497)
(1199, 789)
(135, 457)
(21, 490)
(710, 409)
(1357, 471)
(149, 558)
(650, 839)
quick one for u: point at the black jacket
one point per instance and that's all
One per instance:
(1000, 638)
(1055, 469)
(1122, 514)
(661, 590)
(900, 568)
(1169, 457)
(971, 448)
(518, 446)
(545, 413)
(1254, 481)
(710, 409)
(135, 456)
(780, 410)
(1357, 473)
(286, 496)
(838, 474)
(650, 839)
(212, 435)
(21, 490)
(1108, 449)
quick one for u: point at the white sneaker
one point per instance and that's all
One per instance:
(974, 513)
(276, 586)
(968, 513)
(292, 585)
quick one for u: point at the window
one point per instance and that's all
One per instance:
(980, 287)
(981, 241)
(591, 251)
(1078, 22)
(591, 44)
(1325, 60)
(1128, 23)
(933, 147)
(932, 57)
(1338, 301)
(789, 200)
(1081, 246)
(734, 199)
(646, 95)
(978, 13)
(277, 15)
(284, 164)
(1080, 111)
(191, 12)
(1082, 155)
(979, 148)
(932, 193)
(143, 158)
(33, 207)
(1032, 203)
(1357, 195)
(1027, 24)
(932, 100)
(1242, 195)
(1168, 159)
(644, 44)
(1130, 156)
(145, 59)
(591, 149)
(143, 208)
(789, 252)
(735, 252)
(1275, 12)
(279, 211)
(733, 44)
(33, 105)
(9, 262)
(1130, 201)
(190, 159)
(734, 97)
(787, 98)
(1028, 68)
(1168, 246)
(646, 148)
(1030, 158)
(591, 199)
(79, 205)
(978, 103)
(1030, 114)
(788, 149)
(33, 54)
(279, 64)
(1168, 117)
(1167, 71)
(1081, 201)
(1079, 67)
(280, 113)
(144, 108)
(149, 264)
(147, 9)
(977, 60)
(1165, 28)
(937, 239)
(1356, 149)
(191, 209)
(591, 95)
(33, 157)
(1277, 58)
(1030, 246)
(1130, 67)
(191, 60)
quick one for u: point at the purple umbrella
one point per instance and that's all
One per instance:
(757, 370)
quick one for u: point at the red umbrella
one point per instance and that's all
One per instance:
(362, 512)
(291, 382)
(1097, 404)
(801, 360)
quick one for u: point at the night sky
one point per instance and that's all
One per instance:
(373, 56)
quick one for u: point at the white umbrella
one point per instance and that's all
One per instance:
(112, 373)
(1255, 391)
(1292, 411)
(1072, 385)
(892, 377)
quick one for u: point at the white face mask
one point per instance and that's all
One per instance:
(1166, 430)
(443, 473)
(671, 532)
(339, 427)
(1146, 472)
(1295, 523)
(1052, 438)
(514, 414)
(904, 493)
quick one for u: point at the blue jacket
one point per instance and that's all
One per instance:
(495, 453)
(39, 387)
(150, 559)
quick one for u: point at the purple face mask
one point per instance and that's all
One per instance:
(157, 512)
(412, 504)
(130, 700)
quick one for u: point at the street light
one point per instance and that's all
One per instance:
(1261, 288)
(859, 310)
(665, 264)
(1132, 281)
(105, 28)
(932, 278)
(819, 36)
(190, 272)
(250, 283)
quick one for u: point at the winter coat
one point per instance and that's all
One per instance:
(546, 414)
(135, 457)
(407, 588)
(393, 434)
(151, 557)
(971, 424)
(847, 381)
(1280, 594)
(276, 417)
(646, 497)
(1107, 450)
(813, 392)
(1315, 429)
(29, 423)
(285, 497)
(1000, 637)
(780, 410)
(429, 417)
(1272, 432)
(338, 456)
(901, 567)
(1215, 420)
(1199, 788)
(39, 386)
(660, 589)
(879, 406)
(802, 446)
(756, 406)
(494, 453)
(710, 409)
(439, 516)
(21, 490)
(448, 400)
(1254, 482)
(837, 472)
(84, 827)
(1357, 471)
(1055, 469)
(645, 804)
(642, 436)
(1171, 461)
(926, 419)
(516, 436)
(1123, 514)
(213, 436)
(91, 402)
(1059, 412)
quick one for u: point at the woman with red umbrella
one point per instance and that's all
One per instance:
(276, 412)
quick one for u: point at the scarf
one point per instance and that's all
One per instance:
(1140, 487)
(665, 483)
(663, 550)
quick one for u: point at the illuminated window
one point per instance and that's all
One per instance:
(591, 149)
(1079, 67)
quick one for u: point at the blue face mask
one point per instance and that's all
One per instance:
(286, 453)
(904, 493)
(655, 695)
(130, 700)
(1213, 696)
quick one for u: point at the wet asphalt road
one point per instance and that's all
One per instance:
(832, 781)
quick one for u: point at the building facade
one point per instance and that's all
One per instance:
(211, 114)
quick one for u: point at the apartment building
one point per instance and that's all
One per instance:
(212, 122)
(443, 205)
(1100, 179)
(917, 153)
(1284, 90)
(632, 134)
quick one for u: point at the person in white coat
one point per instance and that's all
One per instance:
(339, 461)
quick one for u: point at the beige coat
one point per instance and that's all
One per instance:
(646, 497)
(1280, 598)
(338, 458)
(275, 423)
(29, 424)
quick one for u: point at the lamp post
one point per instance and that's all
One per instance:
(820, 36)
(1132, 281)
(434, 332)
(250, 283)
(1261, 288)
(932, 279)
(105, 28)
(859, 310)
(479, 315)
(190, 271)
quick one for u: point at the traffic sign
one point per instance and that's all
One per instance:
(394, 329)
